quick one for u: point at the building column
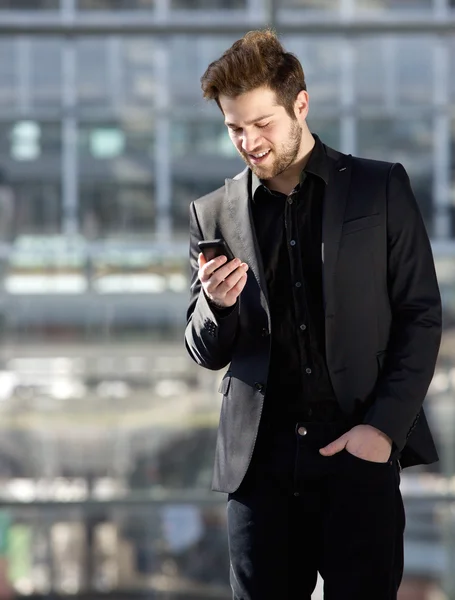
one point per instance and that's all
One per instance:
(69, 165)
(348, 124)
(441, 139)
(162, 149)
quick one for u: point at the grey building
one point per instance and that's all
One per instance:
(104, 141)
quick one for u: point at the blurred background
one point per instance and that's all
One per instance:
(106, 428)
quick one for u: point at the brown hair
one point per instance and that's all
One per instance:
(256, 60)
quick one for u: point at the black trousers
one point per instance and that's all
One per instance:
(298, 513)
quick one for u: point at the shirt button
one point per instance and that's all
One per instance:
(292, 242)
(259, 386)
(303, 327)
(290, 200)
(298, 284)
(302, 431)
(308, 371)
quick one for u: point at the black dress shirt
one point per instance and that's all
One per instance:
(289, 234)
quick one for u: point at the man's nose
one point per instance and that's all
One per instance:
(250, 143)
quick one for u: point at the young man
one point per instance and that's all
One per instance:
(330, 321)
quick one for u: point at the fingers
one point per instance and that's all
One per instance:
(214, 269)
(220, 285)
(222, 280)
(335, 446)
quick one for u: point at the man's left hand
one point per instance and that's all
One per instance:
(364, 441)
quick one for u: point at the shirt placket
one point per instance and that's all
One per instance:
(297, 282)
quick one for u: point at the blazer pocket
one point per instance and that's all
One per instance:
(225, 384)
(361, 224)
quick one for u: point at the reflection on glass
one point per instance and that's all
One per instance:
(117, 191)
(313, 5)
(451, 79)
(92, 73)
(29, 4)
(201, 137)
(136, 82)
(8, 75)
(393, 71)
(45, 84)
(30, 163)
(115, 4)
(111, 209)
(116, 72)
(207, 4)
(414, 69)
(394, 5)
(374, 68)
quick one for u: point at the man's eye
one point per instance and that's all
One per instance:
(235, 129)
(263, 126)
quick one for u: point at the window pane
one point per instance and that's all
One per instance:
(451, 81)
(373, 70)
(393, 71)
(208, 4)
(115, 4)
(92, 73)
(321, 65)
(414, 75)
(29, 4)
(30, 166)
(8, 73)
(203, 156)
(395, 5)
(116, 179)
(46, 67)
(115, 73)
(409, 142)
(190, 56)
(134, 78)
(313, 5)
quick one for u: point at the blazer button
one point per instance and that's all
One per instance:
(259, 386)
(265, 332)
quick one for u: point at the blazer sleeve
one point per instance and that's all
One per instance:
(210, 334)
(416, 315)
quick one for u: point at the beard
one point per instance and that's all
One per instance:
(284, 158)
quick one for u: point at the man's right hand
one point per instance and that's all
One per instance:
(222, 281)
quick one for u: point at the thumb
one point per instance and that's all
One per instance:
(201, 260)
(335, 446)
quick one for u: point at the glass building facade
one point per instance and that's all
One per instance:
(107, 427)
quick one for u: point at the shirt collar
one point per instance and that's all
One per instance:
(316, 165)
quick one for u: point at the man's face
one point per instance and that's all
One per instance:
(264, 134)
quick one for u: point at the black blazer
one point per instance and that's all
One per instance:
(382, 310)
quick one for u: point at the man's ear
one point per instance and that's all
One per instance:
(302, 105)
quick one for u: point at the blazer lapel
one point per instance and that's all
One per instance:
(333, 215)
(244, 241)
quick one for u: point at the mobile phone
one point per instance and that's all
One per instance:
(213, 248)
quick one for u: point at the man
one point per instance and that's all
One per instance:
(330, 322)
